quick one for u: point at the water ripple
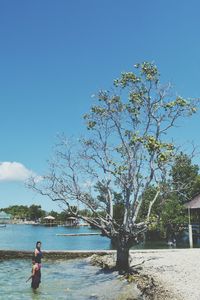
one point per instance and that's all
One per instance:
(72, 280)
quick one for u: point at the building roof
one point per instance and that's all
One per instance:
(49, 218)
(194, 203)
(4, 215)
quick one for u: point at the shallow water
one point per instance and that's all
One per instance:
(72, 280)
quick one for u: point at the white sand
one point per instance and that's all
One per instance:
(176, 270)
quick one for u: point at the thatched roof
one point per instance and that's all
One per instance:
(194, 203)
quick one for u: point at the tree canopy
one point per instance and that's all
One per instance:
(33, 212)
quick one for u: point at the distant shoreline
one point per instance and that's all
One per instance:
(59, 224)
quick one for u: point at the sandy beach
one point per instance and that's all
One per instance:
(170, 274)
(176, 272)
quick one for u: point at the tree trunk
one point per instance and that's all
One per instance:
(120, 242)
(122, 263)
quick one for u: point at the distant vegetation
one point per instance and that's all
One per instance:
(35, 213)
(32, 213)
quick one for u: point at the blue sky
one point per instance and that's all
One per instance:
(55, 54)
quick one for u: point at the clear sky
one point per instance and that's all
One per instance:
(54, 54)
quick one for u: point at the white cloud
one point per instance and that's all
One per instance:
(14, 171)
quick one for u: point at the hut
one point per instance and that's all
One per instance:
(49, 221)
(193, 208)
(71, 221)
(194, 203)
(4, 218)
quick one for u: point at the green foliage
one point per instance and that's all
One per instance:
(140, 112)
(173, 212)
(169, 208)
(62, 217)
(148, 195)
(147, 70)
(17, 211)
(195, 189)
(185, 178)
(54, 214)
(33, 212)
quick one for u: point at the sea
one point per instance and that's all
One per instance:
(24, 237)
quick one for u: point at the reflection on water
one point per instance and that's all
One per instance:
(72, 280)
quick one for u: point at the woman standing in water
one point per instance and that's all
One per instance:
(37, 258)
(36, 267)
(38, 253)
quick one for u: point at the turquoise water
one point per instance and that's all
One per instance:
(24, 237)
(72, 280)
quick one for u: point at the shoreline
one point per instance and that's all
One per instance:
(53, 254)
(162, 274)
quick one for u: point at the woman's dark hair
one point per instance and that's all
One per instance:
(38, 242)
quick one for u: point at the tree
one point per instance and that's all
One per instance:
(148, 195)
(124, 152)
(35, 212)
(62, 217)
(185, 178)
(185, 183)
(18, 211)
(54, 214)
(173, 218)
(154, 230)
